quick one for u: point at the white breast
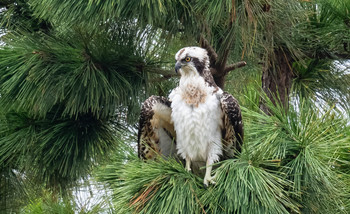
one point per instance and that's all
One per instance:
(198, 132)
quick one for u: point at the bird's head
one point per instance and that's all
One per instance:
(191, 61)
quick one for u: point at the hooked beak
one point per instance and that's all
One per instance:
(177, 66)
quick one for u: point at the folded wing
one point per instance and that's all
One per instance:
(232, 130)
(156, 134)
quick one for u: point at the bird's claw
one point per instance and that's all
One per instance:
(210, 180)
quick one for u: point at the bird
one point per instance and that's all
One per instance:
(198, 122)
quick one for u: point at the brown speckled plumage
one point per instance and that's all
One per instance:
(232, 131)
(148, 140)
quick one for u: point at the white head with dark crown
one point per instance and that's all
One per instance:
(190, 60)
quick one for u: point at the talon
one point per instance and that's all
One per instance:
(210, 180)
(205, 183)
(214, 177)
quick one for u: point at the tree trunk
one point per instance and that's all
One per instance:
(277, 79)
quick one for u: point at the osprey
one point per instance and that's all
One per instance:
(199, 122)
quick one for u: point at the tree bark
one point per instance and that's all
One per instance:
(277, 79)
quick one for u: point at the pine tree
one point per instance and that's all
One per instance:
(73, 75)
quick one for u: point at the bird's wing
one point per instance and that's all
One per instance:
(156, 134)
(232, 130)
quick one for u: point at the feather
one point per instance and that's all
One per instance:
(156, 133)
(232, 130)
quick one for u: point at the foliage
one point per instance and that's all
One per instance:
(15, 14)
(57, 152)
(73, 75)
(309, 143)
(57, 121)
(12, 191)
(42, 202)
(289, 163)
(65, 73)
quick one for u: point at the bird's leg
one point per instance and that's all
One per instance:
(208, 178)
(188, 164)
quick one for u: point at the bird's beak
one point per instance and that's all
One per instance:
(177, 66)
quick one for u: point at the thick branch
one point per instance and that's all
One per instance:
(329, 55)
(234, 66)
(218, 68)
(223, 60)
(342, 55)
(213, 56)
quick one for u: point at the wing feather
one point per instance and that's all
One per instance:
(156, 133)
(232, 130)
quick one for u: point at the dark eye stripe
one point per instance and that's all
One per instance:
(198, 64)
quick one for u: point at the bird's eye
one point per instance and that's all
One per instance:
(187, 59)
